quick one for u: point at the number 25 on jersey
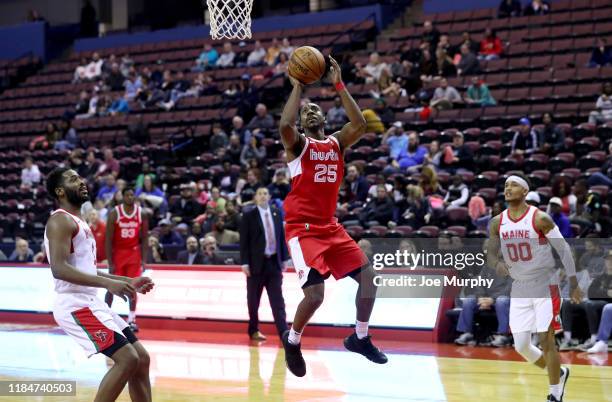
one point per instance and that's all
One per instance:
(325, 173)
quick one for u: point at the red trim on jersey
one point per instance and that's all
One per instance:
(101, 336)
(520, 217)
(541, 236)
(501, 218)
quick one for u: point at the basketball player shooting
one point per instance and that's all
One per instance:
(318, 244)
(525, 235)
(125, 243)
(77, 310)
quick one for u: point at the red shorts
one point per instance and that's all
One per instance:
(127, 263)
(327, 248)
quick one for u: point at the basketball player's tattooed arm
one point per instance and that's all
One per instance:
(108, 240)
(547, 226)
(356, 127)
(494, 260)
(291, 139)
(60, 229)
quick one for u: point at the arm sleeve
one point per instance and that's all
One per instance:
(563, 249)
(465, 193)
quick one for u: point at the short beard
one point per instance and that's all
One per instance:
(75, 199)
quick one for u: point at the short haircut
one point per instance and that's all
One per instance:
(127, 188)
(55, 179)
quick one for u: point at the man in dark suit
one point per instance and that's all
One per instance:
(192, 255)
(263, 252)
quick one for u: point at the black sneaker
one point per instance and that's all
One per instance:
(133, 326)
(551, 398)
(293, 357)
(364, 347)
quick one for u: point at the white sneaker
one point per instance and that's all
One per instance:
(568, 345)
(464, 339)
(565, 373)
(599, 347)
(586, 345)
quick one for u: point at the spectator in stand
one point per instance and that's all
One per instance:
(478, 94)
(248, 189)
(219, 138)
(22, 252)
(375, 121)
(82, 106)
(98, 228)
(415, 211)
(379, 211)
(115, 79)
(550, 137)
(599, 309)
(94, 69)
(561, 188)
(110, 165)
(151, 195)
(234, 149)
(603, 106)
(525, 140)
(533, 199)
(92, 165)
(430, 35)
(263, 122)
(495, 297)
(186, 208)
(434, 156)
(127, 65)
(336, 115)
(209, 251)
(457, 156)
(226, 59)
(376, 70)
(458, 193)
(491, 46)
(602, 54)
(257, 55)
(192, 254)
(119, 106)
(446, 68)
(280, 187)
(232, 216)
(155, 251)
(282, 66)
(253, 150)
(427, 66)
(68, 136)
(207, 59)
(168, 236)
(272, 53)
(468, 62)
(80, 71)
(605, 176)
(509, 8)
(411, 158)
(537, 7)
(592, 260)
(355, 190)
(384, 112)
(222, 235)
(396, 138)
(107, 191)
(560, 219)
(30, 174)
(445, 96)
(286, 47)
(47, 141)
(466, 39)
(380, 180)
(146, 170)
(240, 130)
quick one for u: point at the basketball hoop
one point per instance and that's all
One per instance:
(230, 19)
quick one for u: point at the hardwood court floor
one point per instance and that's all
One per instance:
(223, 367)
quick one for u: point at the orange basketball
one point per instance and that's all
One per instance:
(306, 65)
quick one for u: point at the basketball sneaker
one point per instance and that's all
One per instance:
(568, 344)
(293, 356)
(365, 347)
(501, 341)
(465, 339)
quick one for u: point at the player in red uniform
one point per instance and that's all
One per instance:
(126, 242)
(318, 244)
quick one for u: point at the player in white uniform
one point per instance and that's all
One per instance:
(71, 250)
(525, 236)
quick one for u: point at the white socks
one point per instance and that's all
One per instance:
(567, 335)
(131, 316)
(294, 337)
(594, 338)
(361, 329)
(555, 390)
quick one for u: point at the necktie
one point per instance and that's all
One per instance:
(271, 246)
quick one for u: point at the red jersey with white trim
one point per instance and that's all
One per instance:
(525, 249)
(127, 229)
(316, 175)
(82, 255)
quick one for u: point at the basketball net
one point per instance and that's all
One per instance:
(230, 19)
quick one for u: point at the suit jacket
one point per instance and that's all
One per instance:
(253, 240)
(183, 258)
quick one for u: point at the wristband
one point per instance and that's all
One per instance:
(339, 86)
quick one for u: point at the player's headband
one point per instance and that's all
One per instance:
(518, 180)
